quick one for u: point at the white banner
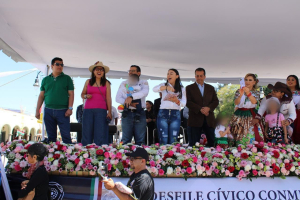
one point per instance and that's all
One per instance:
(221, 189)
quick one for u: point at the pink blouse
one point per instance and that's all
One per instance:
(98, 100)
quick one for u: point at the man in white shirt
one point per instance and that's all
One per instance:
(129, 125)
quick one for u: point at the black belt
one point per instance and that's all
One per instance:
(132, 110)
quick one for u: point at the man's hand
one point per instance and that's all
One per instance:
(205, 111)
(68, 113)
(128, 101)
(109, 184)
(37, 115)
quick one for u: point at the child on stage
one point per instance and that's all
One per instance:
(275, 132)
(222, 132)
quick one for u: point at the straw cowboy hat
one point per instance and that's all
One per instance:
(282, 88)
(99, 64)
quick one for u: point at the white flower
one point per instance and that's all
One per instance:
(121, 150)
(80, 163)
(170, 170)
(157, 157)
(50, 155)
(254, 167)
(247, 168)
(293, 169)
(234, 151)
(55, 163)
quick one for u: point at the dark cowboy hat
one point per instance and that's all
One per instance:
(282, 88)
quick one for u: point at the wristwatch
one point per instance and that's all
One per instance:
(70, 108)
(84, 96)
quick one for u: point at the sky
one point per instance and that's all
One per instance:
(21, 94)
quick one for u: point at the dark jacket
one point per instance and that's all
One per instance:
(40, 182)
(195, 102)
(156, 106)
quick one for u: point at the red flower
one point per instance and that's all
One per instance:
(257, 162)
(276, 169)
(296, 154)
(288, 166)
(88, 161)
(276, 154)
(99, 152)
(207, 167)
(27, 146)
(77, 160)
(227, 153)
(18, 168)
(189, 170)
(56, 156)
(203, 154)
(185, 163)
(59, 147)
(231, 169)
(244, 156)
(125, 165)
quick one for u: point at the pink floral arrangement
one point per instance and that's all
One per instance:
(258, 160)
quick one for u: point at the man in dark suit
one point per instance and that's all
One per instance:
(201, 101)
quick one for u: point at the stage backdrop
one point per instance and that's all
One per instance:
(71, 188)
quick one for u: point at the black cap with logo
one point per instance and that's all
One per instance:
(138, 152)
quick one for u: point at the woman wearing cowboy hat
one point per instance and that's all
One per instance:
(246, 100)
(287, 107)
(95, 118)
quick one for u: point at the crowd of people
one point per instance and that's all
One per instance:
(273, 118)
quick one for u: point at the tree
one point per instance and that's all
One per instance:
(226, 99)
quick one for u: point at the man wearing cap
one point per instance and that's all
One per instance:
(141, 181)
(57, 90)
(129, 125)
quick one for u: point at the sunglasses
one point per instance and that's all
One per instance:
(57, 64)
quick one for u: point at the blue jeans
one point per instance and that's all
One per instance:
(94, 127)
(168, 125)
(129, 126)
(52, 118)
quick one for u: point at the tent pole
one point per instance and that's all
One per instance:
(43, 111)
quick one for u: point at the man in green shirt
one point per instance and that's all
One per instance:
(57, 90)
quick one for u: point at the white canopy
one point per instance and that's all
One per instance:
(227, 38)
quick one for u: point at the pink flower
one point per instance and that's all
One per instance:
(152, 163)
(243, 163)
(189, 170)
(18, 149)
(109, 167)
(171, 153)
(119, 155)
(161, 172)
(153, 170)
(218, 148)
(254, 172)
(201, 148)
(195, 159)
(254, 149)
(227, 172)
(182, 151)
(85, 155)
(268, 173)
(177, 162)
(88, 161)
(64, 148)
(18, 168)
(106, 155)
(216, 171)
(242, 173)
(118, 173)
(239, 148)
(57, 142)
(260, 165)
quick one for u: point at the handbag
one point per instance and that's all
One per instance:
(107, 118)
